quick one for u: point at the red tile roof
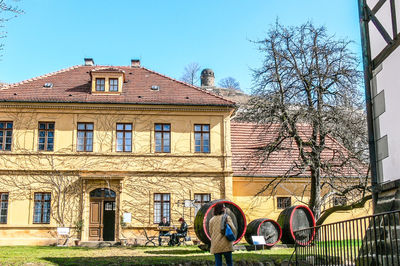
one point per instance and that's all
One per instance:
(72, 85)
(248, 138)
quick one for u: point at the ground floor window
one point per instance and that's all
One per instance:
(199, 200)
(3, 207)
(283, 202)
(162, 206)
(41, 214)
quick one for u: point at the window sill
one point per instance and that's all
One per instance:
(106, 92)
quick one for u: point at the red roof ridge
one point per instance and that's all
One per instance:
(187, 84)
(40, 77)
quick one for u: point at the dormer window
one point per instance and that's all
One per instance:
(101, 84)
(107, 80)
(113, 84)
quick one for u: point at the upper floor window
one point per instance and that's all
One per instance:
(284, 202)
(41, 214)
(124, 137)
(46, 136)
(161, 206)
(163, 137)
(113, 83)
(85, 137)
(3, 207)
(202, 138)
(107, 79)
(6, 129)
(100, 84)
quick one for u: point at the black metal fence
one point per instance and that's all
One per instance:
(369, 240)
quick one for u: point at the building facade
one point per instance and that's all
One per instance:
(380, 38)
(263, 187)
(106, 151)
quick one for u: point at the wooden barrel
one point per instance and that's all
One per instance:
(206, 212)
(268, 228)
(296, 218)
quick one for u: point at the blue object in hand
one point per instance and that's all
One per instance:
(229, 234)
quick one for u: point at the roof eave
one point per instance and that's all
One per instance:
(122, 103)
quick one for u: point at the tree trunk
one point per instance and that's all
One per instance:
(315, 195)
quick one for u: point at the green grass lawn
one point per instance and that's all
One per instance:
(19, 255)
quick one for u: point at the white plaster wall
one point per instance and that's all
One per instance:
(388, 79)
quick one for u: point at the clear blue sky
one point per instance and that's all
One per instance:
(164, 35)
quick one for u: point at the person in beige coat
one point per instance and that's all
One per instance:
(220, 245)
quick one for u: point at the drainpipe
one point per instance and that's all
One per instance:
(366, 58)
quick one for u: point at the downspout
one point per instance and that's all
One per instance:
(366, 58)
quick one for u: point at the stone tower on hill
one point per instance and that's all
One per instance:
(207, 78)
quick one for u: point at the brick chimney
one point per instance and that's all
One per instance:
(89, 62)
(135, 62)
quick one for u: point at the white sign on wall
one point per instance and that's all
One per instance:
(189, 203)
(127, 217)
(62, 231)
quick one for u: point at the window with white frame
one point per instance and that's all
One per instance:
(3, 207)
(41, 214)
(162, 206)
(124, 137)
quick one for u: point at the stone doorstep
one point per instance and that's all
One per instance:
(98, 244)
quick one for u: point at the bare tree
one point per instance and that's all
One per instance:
(310, 79)
(229, 83)
(7, 12)
(191, 74)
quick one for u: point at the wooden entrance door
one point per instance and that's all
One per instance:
(96, 221)
(102, 217)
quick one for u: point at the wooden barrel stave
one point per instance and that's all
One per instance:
(295, 218)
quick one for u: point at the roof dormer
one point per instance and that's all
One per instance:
(107, 80)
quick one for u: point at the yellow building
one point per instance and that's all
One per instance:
(263, 188)
(106, 151)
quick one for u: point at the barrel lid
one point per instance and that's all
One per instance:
(276, 224)
(312, 219)
(237, 207)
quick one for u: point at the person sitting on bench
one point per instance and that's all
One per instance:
(180, 232)
(163, 222)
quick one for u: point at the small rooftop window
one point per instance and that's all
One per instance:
(107, 80)
(155, 88)
(48, 85)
